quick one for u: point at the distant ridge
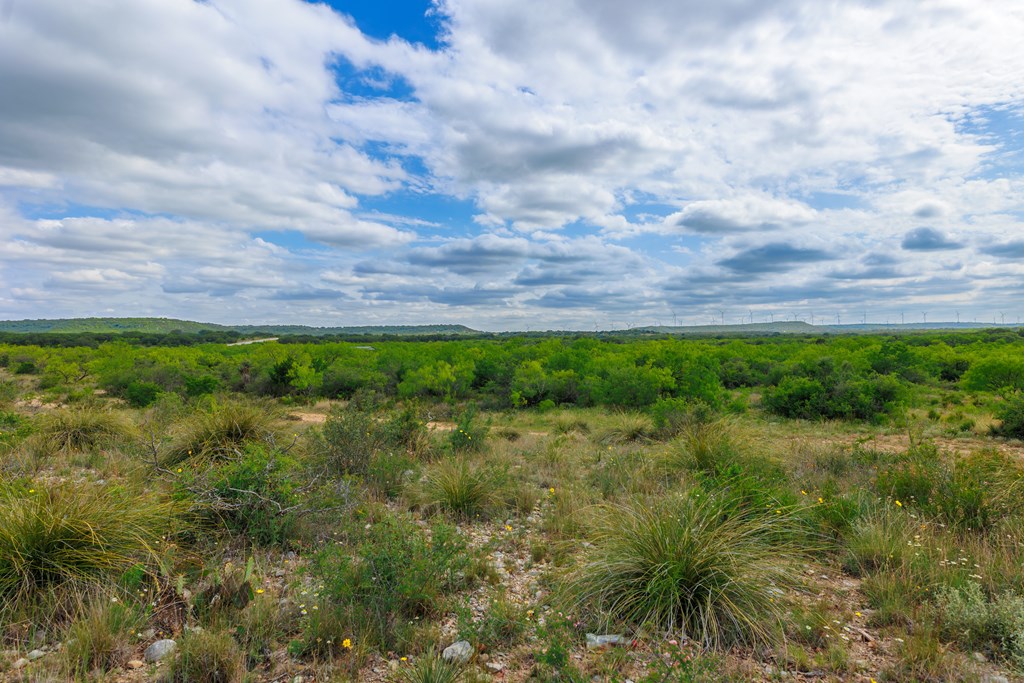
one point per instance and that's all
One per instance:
(168, 325)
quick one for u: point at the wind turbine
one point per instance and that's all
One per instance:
(924, 316)
(751, 317)
(958, 317)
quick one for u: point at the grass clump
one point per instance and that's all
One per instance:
(625, 428)
(463, 489)
(684, 563)
(432, 670)
(83, 428)
(99, 641)
(221, 431)
(207, 657)
(66, 540)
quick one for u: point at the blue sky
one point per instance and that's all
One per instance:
(506, 165)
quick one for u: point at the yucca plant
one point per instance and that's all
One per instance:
(221, 432)
(68, 540)
(625, 428)
(685, 564)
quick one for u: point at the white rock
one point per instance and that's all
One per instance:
(494, 667)
(20, 663)
(596, 642)
(458, 653)
(35, 654)
(159, 650)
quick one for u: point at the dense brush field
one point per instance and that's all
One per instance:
(651, 510)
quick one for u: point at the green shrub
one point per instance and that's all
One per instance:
(834, 397)
(201, 385)
(207, 657)
(141, 394)
(973, 492)
(222, 431)
(1011, 418)
(672, 416)
(73, 539)
(254, 492)
(101, 639)
(393, 576)
(502, 624)
(72, 430)
(352, 438)
(468, 435)
(685, 563)
(994, 626)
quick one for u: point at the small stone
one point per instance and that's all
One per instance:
(994, 678)
(35, 654)
(21, 663)
(299, 679)
(149, 634)
(393, 664)
(159, 650)
(494, 667)
(596, 642)
(978, 657)
(135, 664)
(458, 653)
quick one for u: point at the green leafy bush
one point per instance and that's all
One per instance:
(141, 394)
(834, 397)
(1011, 418)
(393, 576)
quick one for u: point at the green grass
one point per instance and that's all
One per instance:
(432, 670)
(463, 489)
(221, 432)
(67, 540)
(207, 657)
(72, 430)
(684, 564)
(101, 639)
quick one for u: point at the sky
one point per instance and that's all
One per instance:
(537, 164)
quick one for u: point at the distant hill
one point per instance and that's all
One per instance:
(107, 325)
(167, 325)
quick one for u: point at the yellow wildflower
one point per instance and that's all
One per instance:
(347, 644)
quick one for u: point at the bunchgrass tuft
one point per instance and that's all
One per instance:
(208, 657)
(73, 430)
(69, 540)
(685, 564)
(463, 489)
(625, 428)
(222, 431)
(101, 639)
(432, 670)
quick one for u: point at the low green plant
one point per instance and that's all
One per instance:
(503, 623)
(68, 540)
(208, 656)
(1011, 418)
(685, 563)
(994, 626)
(468, 435)
(393, 577)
